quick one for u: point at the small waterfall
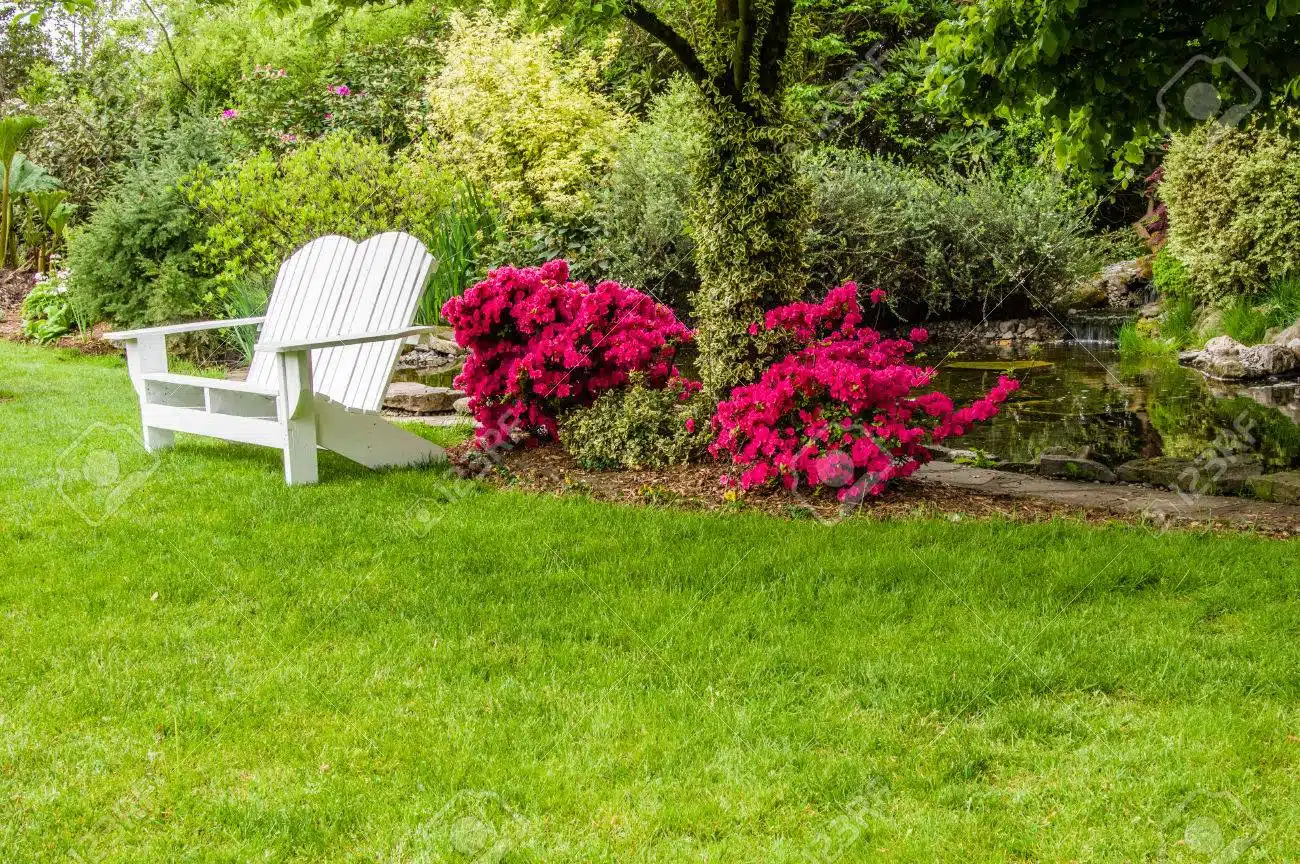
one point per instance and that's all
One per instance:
(1095, 328)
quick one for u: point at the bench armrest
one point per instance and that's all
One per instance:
(172, 329)
(347, 339)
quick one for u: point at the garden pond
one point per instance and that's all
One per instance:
(1076, 395)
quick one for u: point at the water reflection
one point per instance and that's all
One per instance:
(1087, 396)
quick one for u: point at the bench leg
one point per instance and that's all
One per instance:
(144, 355)
(158, 439)
(297, 417)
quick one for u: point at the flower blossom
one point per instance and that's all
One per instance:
(540, 344)
(842, 411)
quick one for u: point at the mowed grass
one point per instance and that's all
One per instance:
(393, 667)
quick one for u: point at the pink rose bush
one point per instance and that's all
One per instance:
(540, 344)
(842, 411)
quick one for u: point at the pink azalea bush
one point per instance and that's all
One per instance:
(540, 344)
(842, 411)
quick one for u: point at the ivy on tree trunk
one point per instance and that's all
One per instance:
(751, 208)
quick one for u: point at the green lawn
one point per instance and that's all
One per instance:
(392, 668)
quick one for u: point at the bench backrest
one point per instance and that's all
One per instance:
(335, 287)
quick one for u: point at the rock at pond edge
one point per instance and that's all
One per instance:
(415, 398)
(1187, 475)
(1225, 358)
(1074, 468)
(1280, 488)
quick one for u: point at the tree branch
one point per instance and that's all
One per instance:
(171, 51)
(725, 14)
(776, 41)
(743, 49)
(672, 40)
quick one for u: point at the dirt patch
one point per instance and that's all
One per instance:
(551, 470)
(15, 285)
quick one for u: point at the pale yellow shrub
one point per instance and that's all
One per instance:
(1234, 208)
(515, 115)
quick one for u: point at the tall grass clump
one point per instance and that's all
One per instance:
(1244, 322)
(1136, 345)
(464, 231)
(247, 298)
(1178, 324)
(1283, 302)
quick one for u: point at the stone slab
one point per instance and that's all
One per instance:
(415, 398)
(1229, 478)
(1160, 504)
(1282, 488)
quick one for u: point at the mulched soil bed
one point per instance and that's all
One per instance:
(551, 470)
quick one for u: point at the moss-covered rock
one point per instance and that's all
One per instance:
(1282, 488)
(1227, 476)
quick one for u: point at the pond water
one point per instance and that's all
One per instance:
(1074, 395)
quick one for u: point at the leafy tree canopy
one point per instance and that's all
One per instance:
(1099, 71)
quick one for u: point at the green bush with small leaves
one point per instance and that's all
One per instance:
(133, 261)
(262, 208)
(644, 207)
(639, 427)
(1169, 275)
(945, 244)
(1234, 204)
(522, 118)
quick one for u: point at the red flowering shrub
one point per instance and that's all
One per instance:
(540, 344)
(840, 412)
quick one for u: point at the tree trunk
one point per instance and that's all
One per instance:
(751, 214)
(4, 220)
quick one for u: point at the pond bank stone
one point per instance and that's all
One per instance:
(1283, 488)
(1161, 506)
(1289, 338)
(1187, 475)
(1074, 468)
(1122, 284)
(432, 353)
(1226, 358)
(415, 398)
(462, 406)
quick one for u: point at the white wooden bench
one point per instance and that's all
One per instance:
(333, 328)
